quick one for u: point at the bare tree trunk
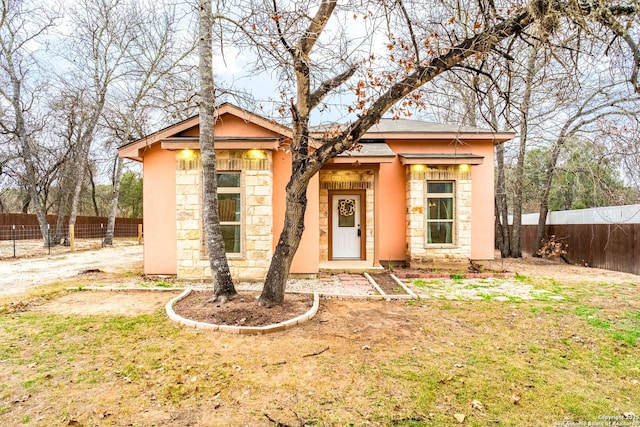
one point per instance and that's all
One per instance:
(26, 201)
(500, 201)
(73, 176)
(115, 196)
(62, 207)
(85, 140)
(222, 282)
(516, 236)
(304, 167)
(546, 189)
(544, 197)
(94, 199)
(33, 189)
(25, 142)
(75, 196)
(27, 158)
(107, 40)
(515, 249)
(502, 212)
(296, 205)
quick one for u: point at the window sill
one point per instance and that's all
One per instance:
(234, 257)
(440, 246)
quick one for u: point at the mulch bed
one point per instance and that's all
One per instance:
(387, 284)
(473, 270)
(242, 311)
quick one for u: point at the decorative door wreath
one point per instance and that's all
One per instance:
(347, 207)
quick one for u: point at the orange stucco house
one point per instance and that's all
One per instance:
(414, 192)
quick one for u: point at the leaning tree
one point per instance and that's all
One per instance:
(24, 26)
(381, 52)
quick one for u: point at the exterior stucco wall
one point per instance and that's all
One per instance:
(482, 201)
(306, 259)
(159, 212)
(477, 217)
(392, 209)
(230, 125)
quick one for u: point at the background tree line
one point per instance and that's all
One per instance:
(77, 80)
(94, 200)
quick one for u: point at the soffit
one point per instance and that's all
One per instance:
(440, 158)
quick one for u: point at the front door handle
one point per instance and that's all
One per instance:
(359, 231)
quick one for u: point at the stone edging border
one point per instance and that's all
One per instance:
(244, 330)
(499, 275)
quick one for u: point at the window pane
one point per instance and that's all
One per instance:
(346, 213)
(439, 232)
(440, 187)
(228, 180)
(229, 207)
(231, 236)
(440, 208)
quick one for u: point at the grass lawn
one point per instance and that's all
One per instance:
(405, 363)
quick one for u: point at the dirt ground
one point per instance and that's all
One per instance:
(115, 303)
(347, 365)
(121, 266)
(22, 274)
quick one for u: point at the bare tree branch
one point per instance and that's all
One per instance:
(328, 85)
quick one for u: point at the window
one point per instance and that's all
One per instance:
(346, 213)
(229, 210)
(440, 212)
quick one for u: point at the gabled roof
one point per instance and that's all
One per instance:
(135, 149)
(171, 138)
(412, 129)
(388, 128)
(386, 125)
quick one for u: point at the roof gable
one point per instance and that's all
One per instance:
(231, 121)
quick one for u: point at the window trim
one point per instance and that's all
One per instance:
(453, 221)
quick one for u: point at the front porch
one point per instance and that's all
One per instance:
(349, 237)
(349, 266)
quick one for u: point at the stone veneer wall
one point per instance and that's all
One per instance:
(418, 252)
(252, 263)
(346, 180)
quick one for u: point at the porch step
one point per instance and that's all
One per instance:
(347, 266)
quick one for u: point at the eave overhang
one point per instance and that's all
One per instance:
(440, 158)
(224, 143)
(372, 152)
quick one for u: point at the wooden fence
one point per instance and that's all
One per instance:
(25, 226)
(609, 246)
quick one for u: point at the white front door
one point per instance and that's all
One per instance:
(346, 230)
